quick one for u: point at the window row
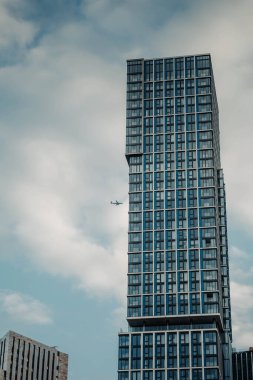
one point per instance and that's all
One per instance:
(172, 374)
(172, 260)
(172, 304)
(173, 88)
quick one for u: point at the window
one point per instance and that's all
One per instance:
(169, 106)
(159, 282)
(158, 106)
(172, 350)
(203, 86)
(123, 376)
(159, 123)
(183, 282)
(172, 375)
(183, 309)
(191, 159)
(149, 160)
(209, 258)
(204, 121)
(148, 90)
(134, 263)
(147, 375)
(180, 140)
(171, 239)
(148, 352)
(148, 108)
(195, 303)
(135, 375)
(159, 201)
(181, 198)
(159, 261)
(169, 69)
(189, 67)
(203, 66)
(148, 283)
(148, 220)
(171, 260)
(184, 350)
(134, 306)
(181, 221)
(158, 69)
(148, 262)
(148, 70)
(193, 259)
(210, 280)
(169, 139)
(194, 281)
(210, 349)
(182, 260)
(192, 197)
(193, 238)
(190, 87)
(170, 179)
(171, 282)
(179, 84)
(159, 143)
(171, 304)
(158, 89)
(190, 122)
(196, 349)
(190, 104)
(169, 89)
(179, 67)
(169, 123)
(179, 104)
(148, 200)
(148, 181)
(180, 123)
(181, 178)
(159, 304)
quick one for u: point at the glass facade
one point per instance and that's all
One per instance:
(178, 307)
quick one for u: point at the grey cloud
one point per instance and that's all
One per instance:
(63, 125)
(242, 309)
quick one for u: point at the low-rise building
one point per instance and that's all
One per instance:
(243, 365)
(23, 358)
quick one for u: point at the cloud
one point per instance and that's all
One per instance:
(237, 253)
(60, 165)
(240, 265)
(63, 127)
(228, 38)
(242, 310)
(23, 308)
(15, 35)
(66, 221)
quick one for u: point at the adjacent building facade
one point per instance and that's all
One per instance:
(178, 275)
(243, 365)
(22, 358)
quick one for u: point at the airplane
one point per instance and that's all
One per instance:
(116, 203)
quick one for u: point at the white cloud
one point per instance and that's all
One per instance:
(64, 148)
(240, 265)
(66, 221)
(63, 168)
(224, 29)
(237, 253)
(23, 308)
(242, 310)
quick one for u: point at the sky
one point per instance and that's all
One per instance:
(62, 126)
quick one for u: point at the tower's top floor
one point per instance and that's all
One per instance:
(171, 68)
